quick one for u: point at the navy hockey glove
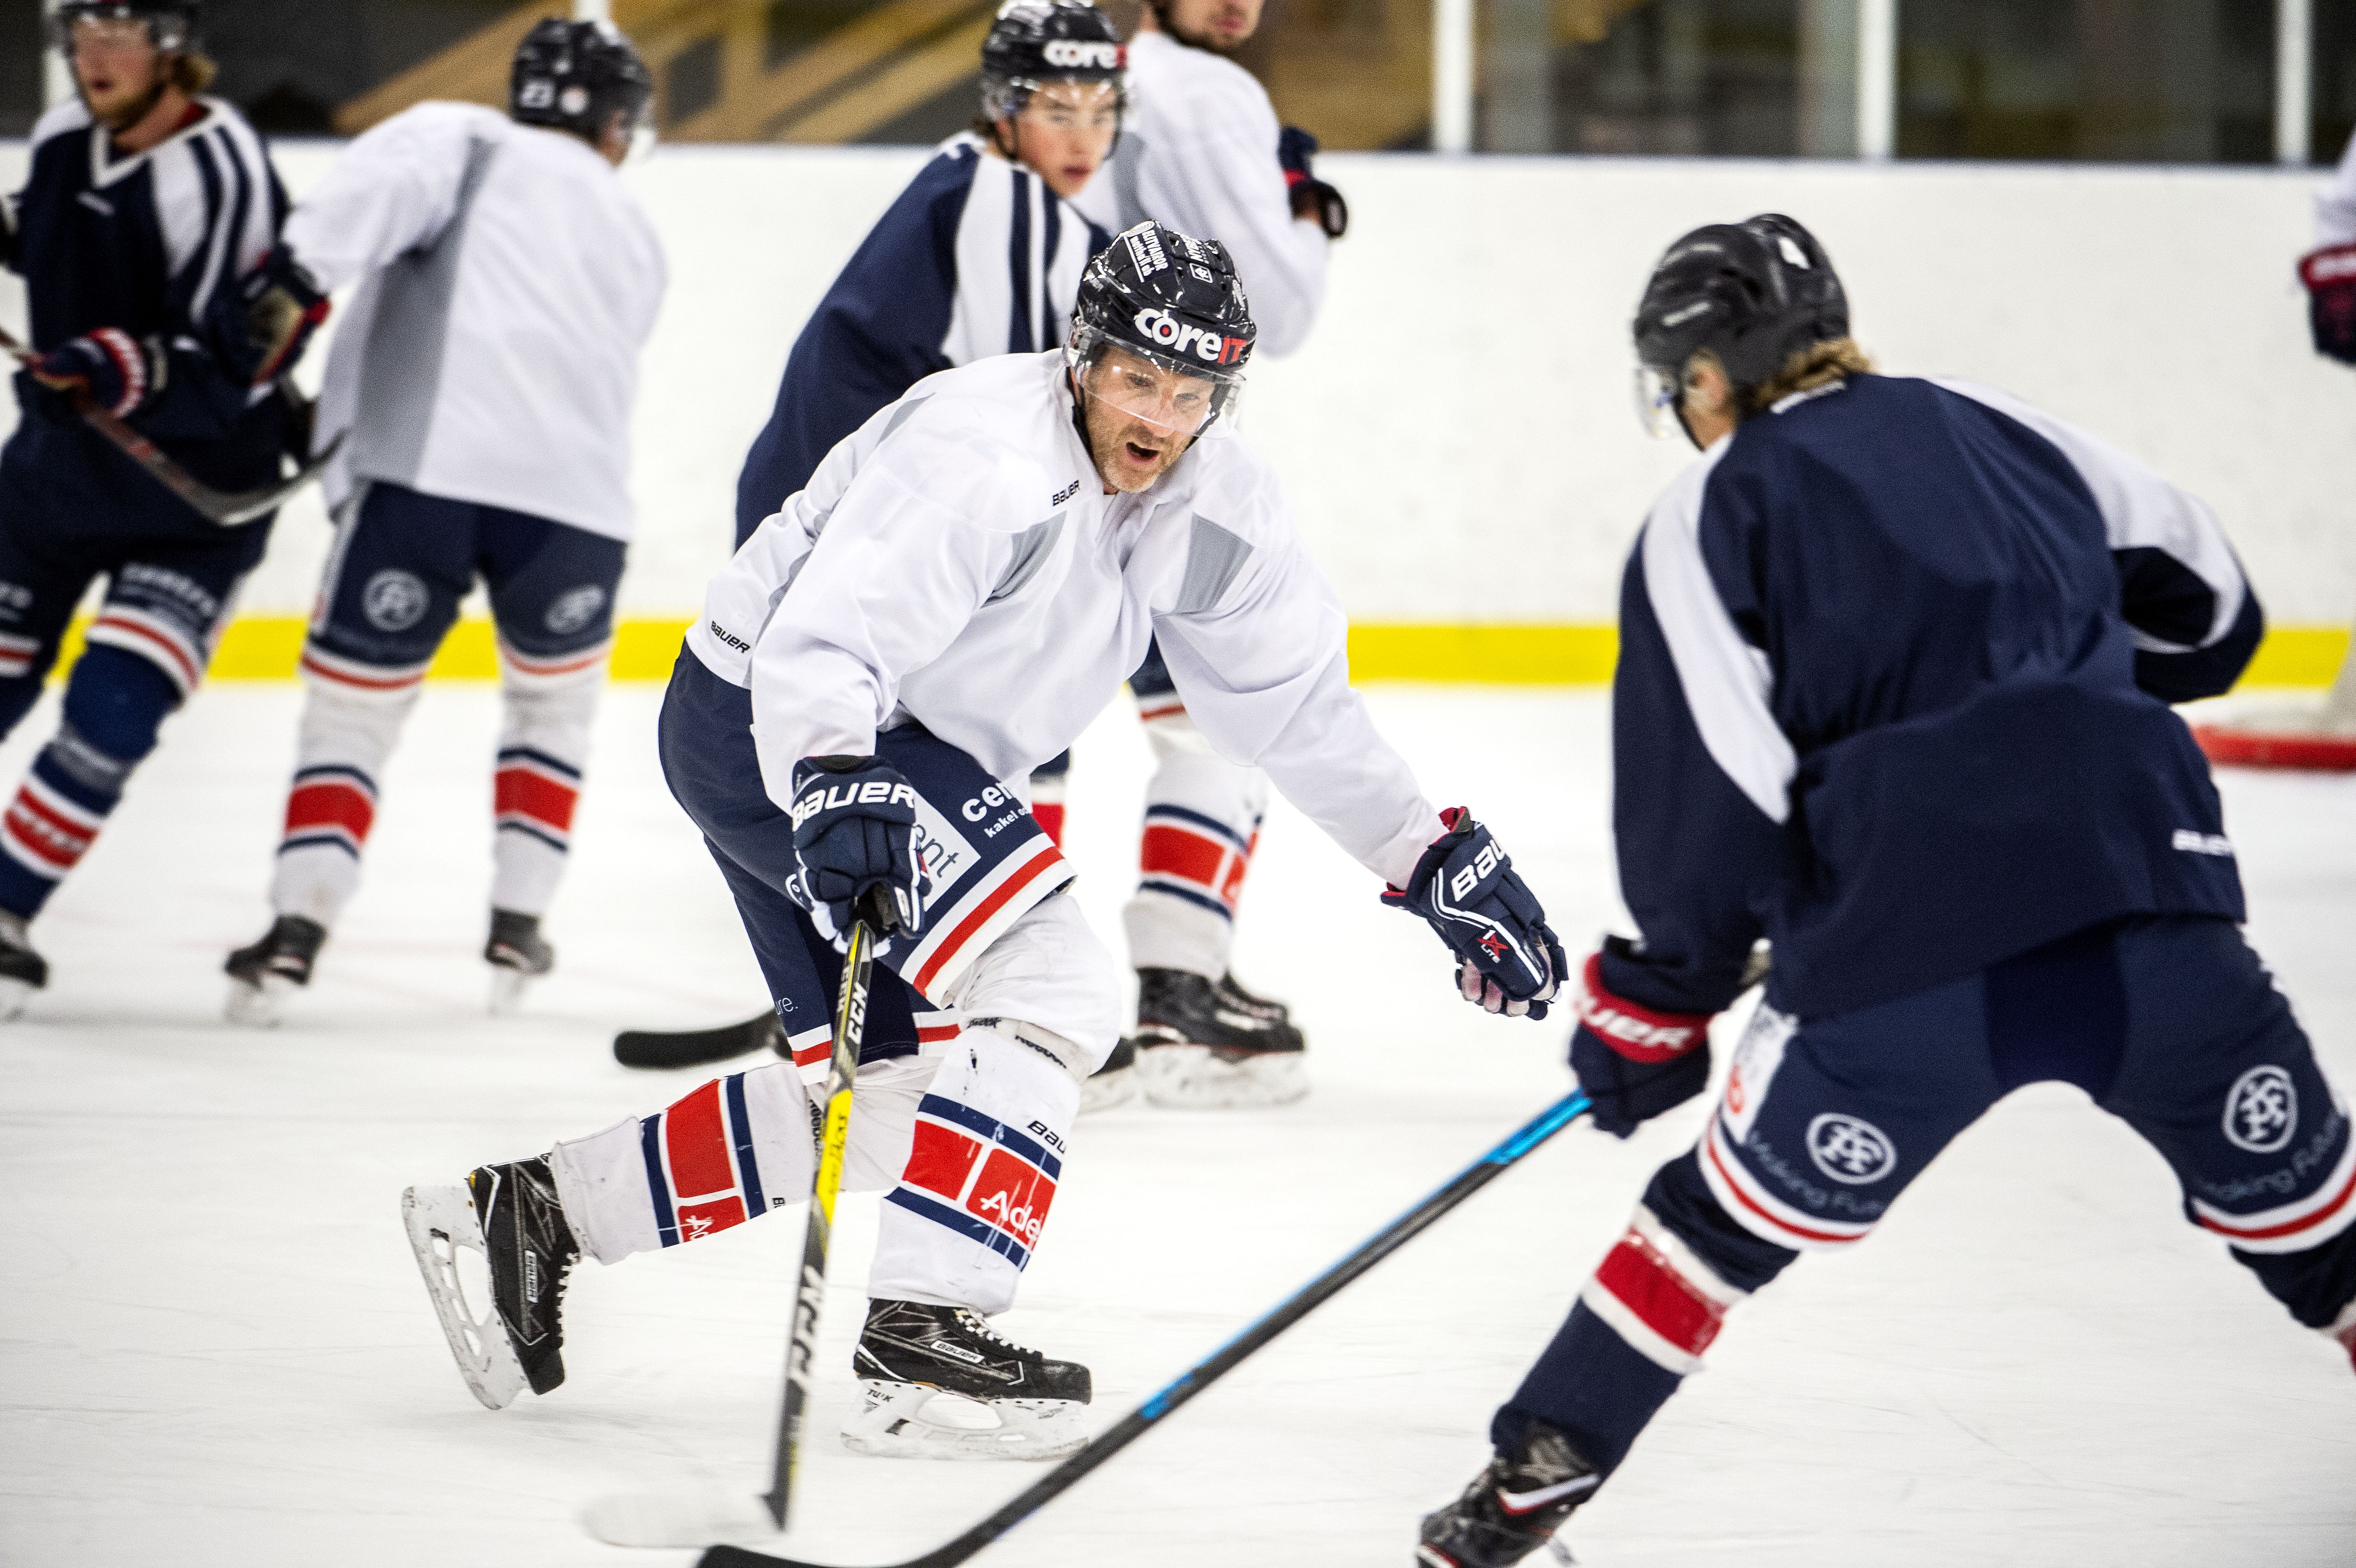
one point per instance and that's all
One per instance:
(1633, 1061)
(113, 370)
(1311, 197)
(2329, 275)
(261, 327)
(1465, 885)
(854, 829)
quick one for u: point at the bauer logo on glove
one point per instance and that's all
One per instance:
(854, 829)
(1465, 888)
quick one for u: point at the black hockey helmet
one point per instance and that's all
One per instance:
(574, 75)
(1169, 298)
(1034, 42)
(1752, 293)
(175, 26)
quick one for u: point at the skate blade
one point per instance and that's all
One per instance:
(1193, 1078)
(1103, 1091)
(441, 1220)
(908, 1421)
(257, 1006)
(678, 1519)
(508, 988)
(14, 995)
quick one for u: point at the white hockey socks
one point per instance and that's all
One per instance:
(347, 732)
(984, 1162)
(1202, 823)
(544, 746)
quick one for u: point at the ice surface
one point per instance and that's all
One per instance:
(216, 1350)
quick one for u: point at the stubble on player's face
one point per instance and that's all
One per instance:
(1136, 444)
(1220, 25)
(115, 65)
(1066, 132)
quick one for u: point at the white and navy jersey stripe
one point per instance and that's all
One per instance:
(1894, 661)
(977, 257)
(145, 243)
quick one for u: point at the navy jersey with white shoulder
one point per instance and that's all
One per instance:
(144, 242)
(977, 257)
(1895, 665)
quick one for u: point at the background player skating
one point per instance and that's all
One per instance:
(144, 205)
(1202, 152)
(981, 255)
(958, 592)
(2329, 273)
(1896, 657)
(486, 372)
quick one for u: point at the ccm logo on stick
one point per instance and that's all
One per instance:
(1182, 338)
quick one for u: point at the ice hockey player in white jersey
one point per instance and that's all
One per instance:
(960, 589)
(1202, 152)
(485, 372)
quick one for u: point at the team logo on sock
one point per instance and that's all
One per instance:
(394, 600)
(2261, 1110)
(1850, 1149)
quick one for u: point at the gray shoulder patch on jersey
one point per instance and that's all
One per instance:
(900, 416)
(1031, 549)
(1214, 556)
(401, 363)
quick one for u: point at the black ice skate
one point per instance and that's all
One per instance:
(22, 970)
(1210, 1044)
(1512, 1508)
(262, 976)
(517, 956)
(1114, 1084)
(1010, 1402)
(509, 1213)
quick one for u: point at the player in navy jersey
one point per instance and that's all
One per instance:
(144, 205)
(1896, 661)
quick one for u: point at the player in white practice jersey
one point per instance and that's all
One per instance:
(1202, 152)
(2329, 273)
(965, 582)
(485, 373)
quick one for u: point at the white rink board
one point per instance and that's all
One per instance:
(214, 1352)
(1459, 438)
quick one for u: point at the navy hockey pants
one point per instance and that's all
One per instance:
(986, 857)
(73, 509)
(2169, 1022)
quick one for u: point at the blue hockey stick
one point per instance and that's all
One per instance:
(1202, 1375)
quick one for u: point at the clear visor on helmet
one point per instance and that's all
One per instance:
(1658, 390)
(1173, 393)
(117, 26)
(1064, 102)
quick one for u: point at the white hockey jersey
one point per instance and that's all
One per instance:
(491, 354)
(2335, 204)
(957, 562)
(1198, 152)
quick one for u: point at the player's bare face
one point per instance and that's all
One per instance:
(1066, 132)
(116, 65)
(1141, 417)
(1219, 25)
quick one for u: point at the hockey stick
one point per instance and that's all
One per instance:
(1203, 1374)
(698, 1047)
(226, 508)
(818, 1231)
